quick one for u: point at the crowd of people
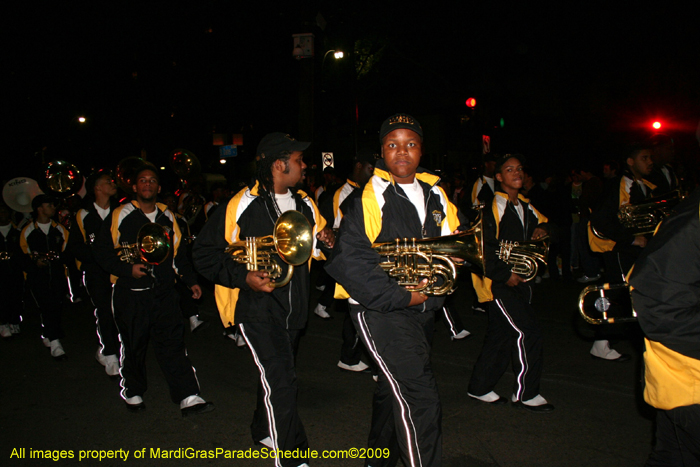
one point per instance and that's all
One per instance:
(141, 264)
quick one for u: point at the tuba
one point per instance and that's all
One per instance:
(411, 261)
(19, 192)
(645, 217)
(62, 179)
(292, 240)
(152, 246)
(524, 256)
(126, 171)
(609, 299)
(185, 165)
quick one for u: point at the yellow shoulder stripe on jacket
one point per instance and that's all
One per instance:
(371, 210)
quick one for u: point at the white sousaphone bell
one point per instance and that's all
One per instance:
(19, 192)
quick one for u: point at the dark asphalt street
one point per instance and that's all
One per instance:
(600, 419)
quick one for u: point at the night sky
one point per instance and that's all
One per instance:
(572, 82)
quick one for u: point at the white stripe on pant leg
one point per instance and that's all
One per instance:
(267, 390)
(448, 318)
(522, 356)
(409, 427)
(122, 356)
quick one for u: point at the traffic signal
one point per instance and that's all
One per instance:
(656, 125)
(471, 102)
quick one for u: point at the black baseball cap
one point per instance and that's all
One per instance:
(400, 121)
(41, 199)
(274, 144)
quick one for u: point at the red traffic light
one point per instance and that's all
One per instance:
(471, 102)
(656, 125)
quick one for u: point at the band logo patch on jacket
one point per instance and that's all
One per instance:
(438, 217)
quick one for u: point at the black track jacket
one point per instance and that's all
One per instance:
(382, 214)
(502, 222)
(249, 214)
(123, 225)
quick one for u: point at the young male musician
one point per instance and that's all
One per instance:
(101, 190)
(351, 350)
(622, 245)
(145, 302)
(401, 200)
(665, 284)
(43, 242)
(269, 319)
(513, 334)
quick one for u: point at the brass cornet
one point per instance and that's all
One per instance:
(411, 261)
(644, 218)
(611, 299)
(291, 239)
(524, 256)
(152, 246)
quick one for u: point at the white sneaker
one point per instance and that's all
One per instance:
(101, 359)
(136, 400)
(461, 335)
(5, 331)
(602, 350)
(320, 310)
(321, 287)
(585, 279)
(57, 349)
(266, 442)
(240, 341)
(362, 366)
(46, 342)
(195, 323)
(112, 365)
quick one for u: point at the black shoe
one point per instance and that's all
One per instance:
(136, 407)
(197, 409)
(544, 408)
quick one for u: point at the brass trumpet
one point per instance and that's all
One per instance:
(292, 240)
(48, 256)
(152, 246)
(5, 256)
(524, 256)
(412, 261)
(608, 300)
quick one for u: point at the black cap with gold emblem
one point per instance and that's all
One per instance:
(399, 121)
(274, 144)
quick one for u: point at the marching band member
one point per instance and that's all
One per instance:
(11, 280)
(144, 300)
(270, 320)
(352, 348)
(513, 334)
(43, 241)
(622, 246)
(401, 200)
(100, 202)
(665, 285)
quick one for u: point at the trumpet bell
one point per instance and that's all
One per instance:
(19, 192)
(153, 243)
(293, 239)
